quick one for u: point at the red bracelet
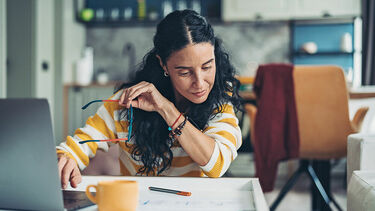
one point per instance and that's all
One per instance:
(170, 128)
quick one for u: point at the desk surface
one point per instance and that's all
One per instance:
(362, 92)
(354, 93)
(217, 194)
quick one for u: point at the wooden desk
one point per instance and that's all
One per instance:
(362, 92)
(217, 194)
(354, 93)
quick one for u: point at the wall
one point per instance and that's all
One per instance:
(69, 41)
(19, 29)
(255, 42)
(246, 42)
(3, 48)
(73, 40)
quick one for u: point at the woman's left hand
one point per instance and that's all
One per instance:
(143, 95)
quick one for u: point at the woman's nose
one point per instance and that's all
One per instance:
(198, 81)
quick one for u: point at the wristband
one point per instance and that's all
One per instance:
(178, 130)
(171, 127)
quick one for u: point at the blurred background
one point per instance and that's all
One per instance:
(75, 51)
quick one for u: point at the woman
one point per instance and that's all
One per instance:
(183, 97)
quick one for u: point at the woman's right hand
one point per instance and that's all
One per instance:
(68, 171)
(145, 96)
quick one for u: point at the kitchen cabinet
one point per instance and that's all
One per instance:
(252, 10)
(304, 9)
(248, 10)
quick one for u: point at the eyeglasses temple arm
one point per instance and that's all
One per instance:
(94, 101)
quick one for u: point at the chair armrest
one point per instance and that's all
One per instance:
(357, 120)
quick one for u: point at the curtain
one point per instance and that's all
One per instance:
(368, 42)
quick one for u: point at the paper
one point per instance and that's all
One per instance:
(199, 200)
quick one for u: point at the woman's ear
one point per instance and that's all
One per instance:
(161, 63)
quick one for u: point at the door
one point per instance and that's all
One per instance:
(3, 48)
(30, 49)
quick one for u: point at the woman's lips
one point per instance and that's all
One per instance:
(200, 94)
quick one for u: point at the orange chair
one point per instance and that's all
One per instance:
(321, 99)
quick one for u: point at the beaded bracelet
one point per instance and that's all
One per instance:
(178, 129)
(171, 127)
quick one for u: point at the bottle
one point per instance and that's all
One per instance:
(99, 14)
(115, 14)
(181, 5)
(350, 77)
(141, 9)
(85, 67)
(167, 7)
(346, 43)
(196, 6)
(128, 13)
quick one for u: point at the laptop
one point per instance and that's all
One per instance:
(29, 176)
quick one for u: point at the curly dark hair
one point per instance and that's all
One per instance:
(174, 32)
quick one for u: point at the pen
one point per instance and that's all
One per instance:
(182, 193)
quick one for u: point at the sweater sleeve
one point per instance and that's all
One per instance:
(228, 139)
(100, 126)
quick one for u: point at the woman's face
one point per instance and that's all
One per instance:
(192, 72)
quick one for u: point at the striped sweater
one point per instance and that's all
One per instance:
(105, 124)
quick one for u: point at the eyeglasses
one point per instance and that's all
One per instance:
(129, 118)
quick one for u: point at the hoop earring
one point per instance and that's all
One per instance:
(166, 74)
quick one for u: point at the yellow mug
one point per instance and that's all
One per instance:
(119, 195)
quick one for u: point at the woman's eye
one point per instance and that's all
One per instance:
(184, 74)
(206, 68)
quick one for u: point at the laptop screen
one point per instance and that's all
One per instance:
(28, 162)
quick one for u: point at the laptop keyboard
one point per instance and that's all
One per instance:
(74, 200)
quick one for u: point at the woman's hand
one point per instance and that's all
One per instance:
(144, 96)
(68, 171)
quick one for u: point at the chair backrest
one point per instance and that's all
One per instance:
(322, 110)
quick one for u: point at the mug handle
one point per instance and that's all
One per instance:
(89, 194)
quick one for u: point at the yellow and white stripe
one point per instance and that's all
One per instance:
(227, 134)
(105, 124)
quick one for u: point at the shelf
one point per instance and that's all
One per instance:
(328, 53)
(133, 22)
(109, 84)
(117, 23)
(209, 8)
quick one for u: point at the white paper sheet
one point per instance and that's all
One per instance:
(208, 194)
(199, 200)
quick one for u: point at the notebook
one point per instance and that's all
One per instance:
(29, 176)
